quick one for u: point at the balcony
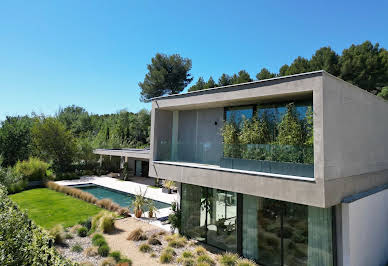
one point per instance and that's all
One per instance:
(290, 160)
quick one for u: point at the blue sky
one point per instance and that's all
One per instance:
(94, 53)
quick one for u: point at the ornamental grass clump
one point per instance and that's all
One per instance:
(206, 259)
(82, 231)
(116, 255)
(103, 250)
(200, 250)
(77, 248)
(154, 241)
(245, 262)
(137, 235)
(228, 259)
(145, 248)
(177, 242)
(167, 255)
(58, 234)
(108, 204)
(107, 223)
(91, 251)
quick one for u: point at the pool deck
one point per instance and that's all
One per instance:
(132, 188)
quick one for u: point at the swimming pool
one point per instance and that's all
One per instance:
(121, 198)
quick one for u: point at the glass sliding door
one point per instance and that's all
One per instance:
(193, 205)
(222, 219)
(282, 233)
(210, 215)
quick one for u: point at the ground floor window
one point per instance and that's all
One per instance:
(210, 215)
(272, 232)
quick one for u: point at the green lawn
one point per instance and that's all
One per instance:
(48, 208)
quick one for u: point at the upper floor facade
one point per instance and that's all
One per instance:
(308, 138)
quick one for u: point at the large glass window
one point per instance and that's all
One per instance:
(222, 221)
(210, 215)
(271, 138)
(282, 233)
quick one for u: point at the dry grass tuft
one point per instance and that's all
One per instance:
(137, 235)
(71, 191)
(124, 212)
(91, 251)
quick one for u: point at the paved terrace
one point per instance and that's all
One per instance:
(132, 188)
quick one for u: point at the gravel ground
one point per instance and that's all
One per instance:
(85, 243)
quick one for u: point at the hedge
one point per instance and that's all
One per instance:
(22, 242)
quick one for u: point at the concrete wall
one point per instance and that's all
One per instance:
(355, 129)
(200, 134)
(365, 231)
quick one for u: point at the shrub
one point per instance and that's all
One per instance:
(245, 262)
(107, 223)
(82, 231)
(154, 241)
(137, 235)
(178, 242)
(153, 255)
(170, 251)
(69, 236)
(12, 181)
(57, 233)
(124, 212)
(96, 219)
(228, 259)
(86, 223)
(116, 255)
(206, 259)
(103, 250)
(33, 169)
(200, 250)
(26, 243)
(77, 248)
(187, 254)
(166, 257)
(97, 239)
(145, 248)
(187, 261)
(108, 204)
(91, 252)
(100, 242)
(108, 262)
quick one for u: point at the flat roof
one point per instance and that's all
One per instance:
(233, 86)
(129, 153)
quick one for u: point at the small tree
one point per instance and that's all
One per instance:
(230, 133)
(54, 143)
(290, 136)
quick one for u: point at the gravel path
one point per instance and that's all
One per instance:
(85, 243)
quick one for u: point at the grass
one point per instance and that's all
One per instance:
(48, 208)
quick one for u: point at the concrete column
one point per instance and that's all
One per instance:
(101, 160)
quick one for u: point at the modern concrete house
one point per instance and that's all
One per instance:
(136, 159)
(285, 171)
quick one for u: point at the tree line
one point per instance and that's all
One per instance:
(67, 139)
(364, 65)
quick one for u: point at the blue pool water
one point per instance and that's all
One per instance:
(121, 198)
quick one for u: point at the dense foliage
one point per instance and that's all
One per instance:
(364, 65)
(65, 142)
(291, 141)
(21, 241)
(167, 74)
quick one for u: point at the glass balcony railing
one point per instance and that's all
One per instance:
(269, 158)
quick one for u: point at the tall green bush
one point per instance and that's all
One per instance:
(14, 182)
(33, 169)
(22, 242)
(230, 133)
